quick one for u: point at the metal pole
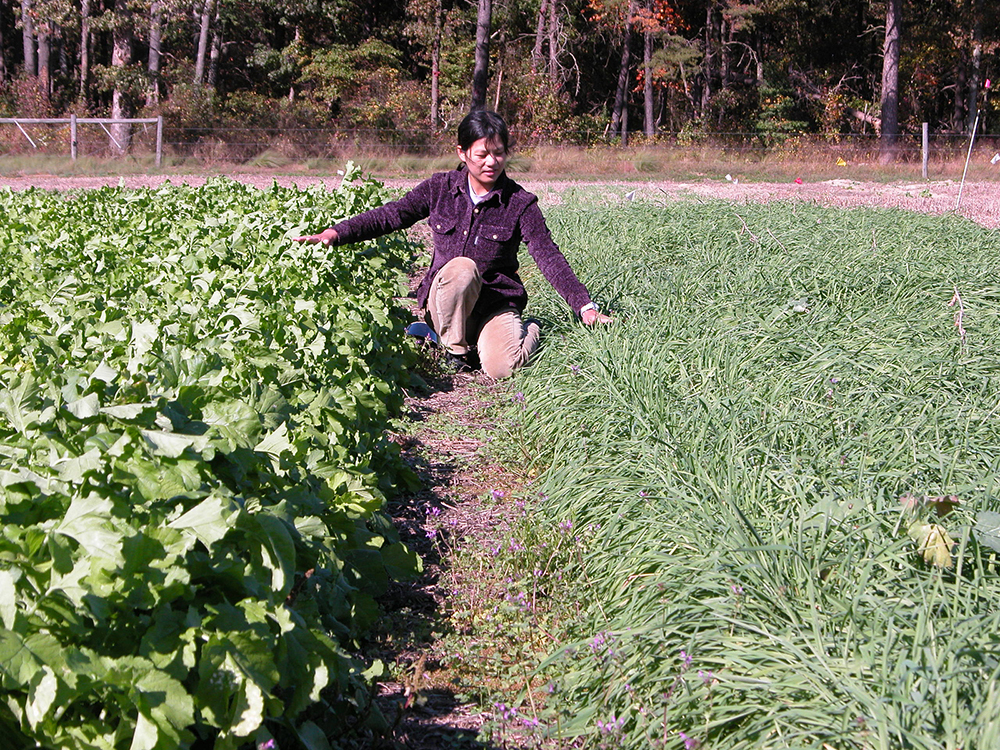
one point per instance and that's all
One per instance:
(975, 126)
(72, 137)
(25, 134)
(925, 146)
(159, 141)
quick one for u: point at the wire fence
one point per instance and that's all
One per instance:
(239, 145)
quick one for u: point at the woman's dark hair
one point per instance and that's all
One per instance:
(482, 123)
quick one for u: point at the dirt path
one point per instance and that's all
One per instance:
(980, 201)
(448, 447)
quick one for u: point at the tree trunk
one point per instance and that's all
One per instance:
(707, 62)
(725, 36)
(958, 100)
(540, 36)
(436, 64)
(155, 43)
(619, 112)
(976, 74)
(649, 124)
(121, 56)
(554, 44)
(3, 57)
(28, 37)
(202, 53)
(888, 140)
(215, 51)
(85, 53)
(43, 32)
(481, 72)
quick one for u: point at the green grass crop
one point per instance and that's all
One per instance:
(742, 445)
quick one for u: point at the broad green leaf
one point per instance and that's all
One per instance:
(279, 550)
(85, 408)
(169, 704)
(400, 561)
(276, 443)
(235, 420)
(8, 597)
(15, 402)
(104, 372)
(127, 412)
(42, 692)
(23, 656)
(169, 444)
(73, 469)
(144, 335)
(88, 521)
(146, 736)
(987, 529)
(312, 737)
(210, 520)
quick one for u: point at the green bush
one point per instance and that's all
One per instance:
(192, 465)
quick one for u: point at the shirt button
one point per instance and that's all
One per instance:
(466, 232)
(476, 211)
(494, 236)
(438, 226)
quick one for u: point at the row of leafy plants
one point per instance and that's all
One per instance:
(766, 514)
(192, 465)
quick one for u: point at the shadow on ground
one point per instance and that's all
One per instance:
(423, 710)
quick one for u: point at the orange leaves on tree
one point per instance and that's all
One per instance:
(658, 15)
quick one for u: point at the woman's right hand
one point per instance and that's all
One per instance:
(326, 237)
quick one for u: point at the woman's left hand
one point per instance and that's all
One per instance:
(590, 317)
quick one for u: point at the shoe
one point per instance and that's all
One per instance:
(423, 332)
(455, 363)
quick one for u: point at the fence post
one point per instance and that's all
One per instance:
(925, 147)
(159, 140)
(72, 137)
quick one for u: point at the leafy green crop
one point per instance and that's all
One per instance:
(192, 464)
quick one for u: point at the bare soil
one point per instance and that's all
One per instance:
(447, 443)
(979, 201)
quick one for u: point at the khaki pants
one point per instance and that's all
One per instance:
(503, 340)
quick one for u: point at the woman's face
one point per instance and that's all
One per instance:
(485, 161)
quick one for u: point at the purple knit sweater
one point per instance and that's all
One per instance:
(489, 233)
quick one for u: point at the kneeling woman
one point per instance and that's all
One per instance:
(479, 218)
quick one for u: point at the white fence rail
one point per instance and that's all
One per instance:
(74, 121)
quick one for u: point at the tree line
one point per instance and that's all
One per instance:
(558, 69)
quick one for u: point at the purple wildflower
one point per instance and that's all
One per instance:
(686, 658)
(614, 726)
(690, 743)
(505, 712)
